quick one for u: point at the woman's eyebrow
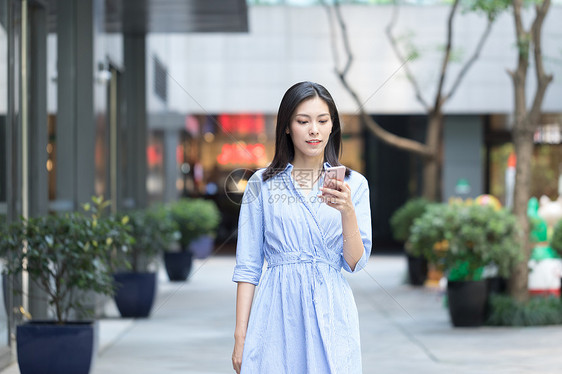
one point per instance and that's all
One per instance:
(308, 116)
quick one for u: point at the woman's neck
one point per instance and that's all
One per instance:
(308, 163)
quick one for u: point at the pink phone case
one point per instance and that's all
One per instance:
(336, 172)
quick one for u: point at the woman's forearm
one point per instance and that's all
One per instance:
(244, 299)
(352, 244)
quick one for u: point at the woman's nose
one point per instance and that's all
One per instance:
(313, 128)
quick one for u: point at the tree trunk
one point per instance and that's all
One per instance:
(433, 164)
(526, 122)
(523, 142)
(431, 172)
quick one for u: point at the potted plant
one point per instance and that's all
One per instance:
(65, 255)
(401, 222)
(196, 218)
(153, 231)
(465, 238)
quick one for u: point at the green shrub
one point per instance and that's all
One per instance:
(464, 238)
(153, 230)
(538, 311)
(65, 253)
(403, 218)
(195, 217)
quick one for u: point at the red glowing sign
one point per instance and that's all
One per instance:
(242, 154)
(154, 155)
(242, 123)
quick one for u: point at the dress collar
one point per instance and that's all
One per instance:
(289, 167)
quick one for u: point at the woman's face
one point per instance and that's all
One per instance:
(310, 128)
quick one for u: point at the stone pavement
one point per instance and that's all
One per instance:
(403, 330)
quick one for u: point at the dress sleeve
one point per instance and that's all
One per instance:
(363, 212)
(249, 246)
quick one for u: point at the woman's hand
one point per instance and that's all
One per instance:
(237, 354)
(339, 198)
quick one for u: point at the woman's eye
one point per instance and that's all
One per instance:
(302, 122)
(324, 122)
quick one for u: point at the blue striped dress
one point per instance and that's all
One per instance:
(303, 318)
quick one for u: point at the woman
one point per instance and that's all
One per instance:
(304, 318)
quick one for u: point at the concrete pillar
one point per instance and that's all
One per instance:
(75, 131)
(38, 137)
(134, 78)
(37, 130)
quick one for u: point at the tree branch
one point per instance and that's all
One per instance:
(333, 43)
(543, 79)
(519, 29)
(471, 60)
(519, 76)
(403, 59)
(384, 135)
(373, 126)
(397, 141)
(447, 57)
(345, 39)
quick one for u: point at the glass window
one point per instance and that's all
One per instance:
(546, 166)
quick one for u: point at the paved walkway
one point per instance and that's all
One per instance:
(403, 330)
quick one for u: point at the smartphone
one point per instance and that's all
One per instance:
(333, 173)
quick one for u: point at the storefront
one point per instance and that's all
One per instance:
(546, 163)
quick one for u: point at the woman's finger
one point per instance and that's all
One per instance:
(335, 193)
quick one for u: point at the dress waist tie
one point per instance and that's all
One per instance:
(311, 259)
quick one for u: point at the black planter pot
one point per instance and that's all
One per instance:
(497, 285)
(48, 348)
(178, 265)
(135, 293)
(467, 302)
(202, 247)
(417, 270)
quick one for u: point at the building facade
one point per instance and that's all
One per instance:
(73, 107)
(149, 101)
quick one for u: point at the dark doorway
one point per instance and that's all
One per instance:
(393, 175)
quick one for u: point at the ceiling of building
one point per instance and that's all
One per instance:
(170, 16)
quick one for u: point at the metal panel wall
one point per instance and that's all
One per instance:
(463, 159)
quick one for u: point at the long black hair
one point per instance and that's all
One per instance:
(284, 147)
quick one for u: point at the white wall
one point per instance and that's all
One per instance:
(250, 72)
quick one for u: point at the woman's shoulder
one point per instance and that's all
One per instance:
(256, 179)
(258, 174)
(356, 178)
